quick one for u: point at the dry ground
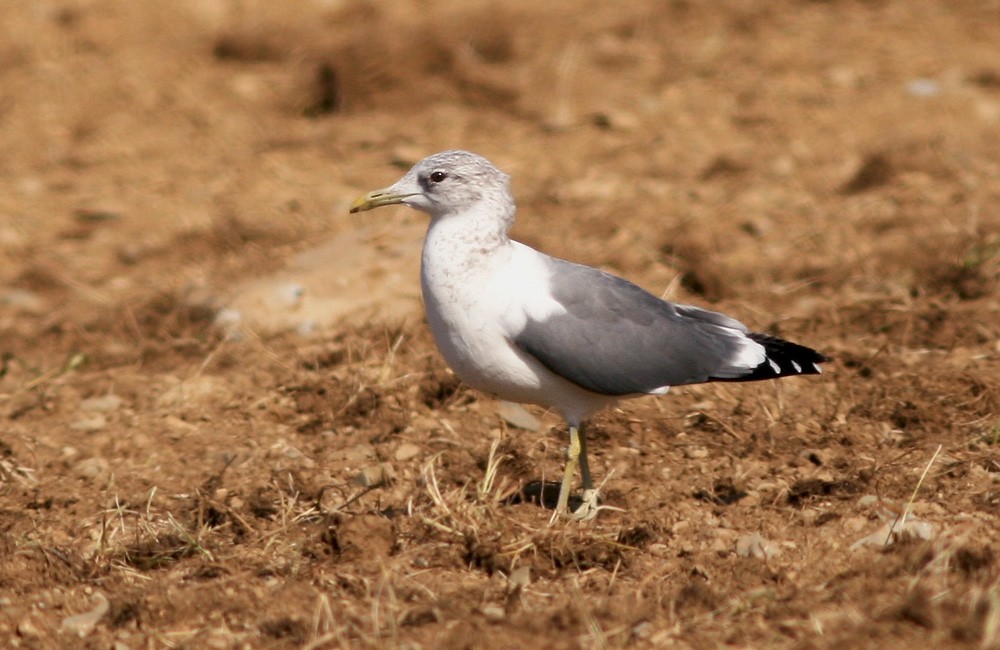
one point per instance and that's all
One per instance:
(825, 170)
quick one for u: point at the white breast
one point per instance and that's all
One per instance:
(477, 301)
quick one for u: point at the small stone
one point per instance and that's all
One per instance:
(809, 516)
(867, 502)
(356, 455)
(424, 423)
(289, 456)
(101, 404)
(493, 612)
(190, 392)
(90, 468)
(88, 425)
(228, 320)
(178, 424)
(24, 301)
(642, 630)
(695, 452)
(290, 294)
(681, 526)
(923, 87)
(855, 524)
(374, 475)
(753, 545)
(28, 629)
(891, 532)
(83, 624)
(866, 172)
(520, 576)
(406, 451)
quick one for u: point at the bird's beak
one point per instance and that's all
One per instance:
(378, 198)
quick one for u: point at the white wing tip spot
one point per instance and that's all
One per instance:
(749, 355)
(774, 366)
(797, 367)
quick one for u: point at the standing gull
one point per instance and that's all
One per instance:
(526, 327)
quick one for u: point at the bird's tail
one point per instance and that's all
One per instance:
(783, 359)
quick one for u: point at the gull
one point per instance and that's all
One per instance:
(518, 324)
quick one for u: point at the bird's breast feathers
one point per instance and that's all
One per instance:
(476, 311)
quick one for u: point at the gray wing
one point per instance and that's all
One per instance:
(617, 339)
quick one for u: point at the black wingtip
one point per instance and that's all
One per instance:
(784, 359)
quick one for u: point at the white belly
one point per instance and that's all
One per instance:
(468, 328)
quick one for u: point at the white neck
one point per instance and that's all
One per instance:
(477, 230)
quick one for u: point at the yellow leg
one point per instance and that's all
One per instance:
(576, 456)
(572, 461)
(588, 483)
(588, 509)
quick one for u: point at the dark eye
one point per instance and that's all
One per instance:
(437, 177)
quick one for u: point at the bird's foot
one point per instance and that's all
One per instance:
(590, 505)
(588, 509)
(579, 509)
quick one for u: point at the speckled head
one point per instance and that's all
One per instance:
(450, 182)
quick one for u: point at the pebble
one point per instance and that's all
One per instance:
(642, 630)
(101, 404)
(177, 424)
(356, 454)
(91, 467)
(695, 452)
(289, 456)
(83, 624)
(923, 87)
(87, 425)
(229, 321)
(290, 294)
(892, 531)
(28, 629)
(680, 527)
(520, 576)
(406, 451)
(189, 392)
(753, 545)
(23, 300)
(424, 423)
(867, 502)
(374, 475)
(855, 524)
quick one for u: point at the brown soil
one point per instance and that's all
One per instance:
(826, 171)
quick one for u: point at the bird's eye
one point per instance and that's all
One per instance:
(437, 177)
